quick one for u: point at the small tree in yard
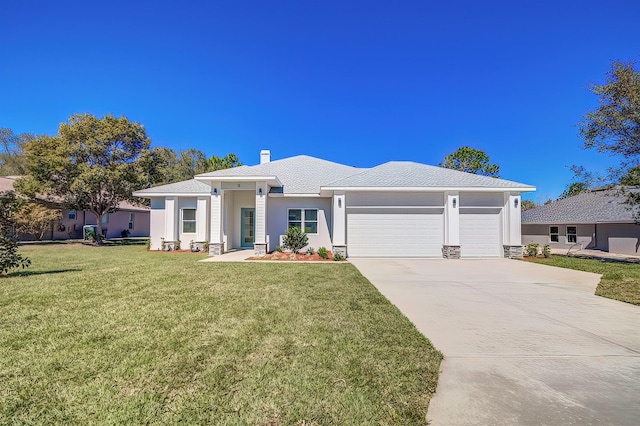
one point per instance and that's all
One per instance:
(295, 239)
(35, 219)
(9, 256)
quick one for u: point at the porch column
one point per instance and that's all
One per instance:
(451, 247)
(260, 245)
(171, 220)
(202, 220)
(512, 228)
(339, 239)
(216, 243)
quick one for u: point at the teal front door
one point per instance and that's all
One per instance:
(247, 227)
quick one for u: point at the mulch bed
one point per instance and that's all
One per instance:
(293, 257)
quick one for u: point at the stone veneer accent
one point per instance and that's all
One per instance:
(216, 249)
(260, 249)
(339, 249)
(169, 245)
(513, 252)
(451, 252)
(197, 246)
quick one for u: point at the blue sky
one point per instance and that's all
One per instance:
(357, 82)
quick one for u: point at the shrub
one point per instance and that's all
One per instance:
(294, 239)
(9, 256)
(205, 246)
(125, 233)
(279, 249)
(322, 252)
(177, 245)
(531, 250)
(311, 251)
(338, 257)
(148, 244)
(546, 250)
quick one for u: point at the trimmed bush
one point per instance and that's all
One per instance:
(322, 252)
(294, 239)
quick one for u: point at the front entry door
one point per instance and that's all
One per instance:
(247, 228)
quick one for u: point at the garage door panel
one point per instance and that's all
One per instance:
(395, 233)
(480, 233)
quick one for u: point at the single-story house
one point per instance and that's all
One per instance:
(132, 218)
(401, 209)
(598, 220)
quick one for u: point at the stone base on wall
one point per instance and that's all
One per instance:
(169, 245)
(197, 246)
(260, 249)
(451, 252)
(339, 249)
(513, 252)
(216, 249)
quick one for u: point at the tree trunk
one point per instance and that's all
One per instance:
(98, 237)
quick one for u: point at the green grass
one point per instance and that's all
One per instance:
(620, 281)
(118, 335)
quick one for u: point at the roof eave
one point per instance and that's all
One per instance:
(142, 194)
(271, 180)
(428, 188)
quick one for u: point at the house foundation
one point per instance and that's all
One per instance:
(451, 252)
(512, 252)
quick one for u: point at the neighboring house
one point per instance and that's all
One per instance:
(400, 209)
(129, 217)
(598, 220)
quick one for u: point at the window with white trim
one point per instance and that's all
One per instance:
(72, 215)
(553, 234)
(572, 234)
(130, 221)
(305, 219)
(189, 221)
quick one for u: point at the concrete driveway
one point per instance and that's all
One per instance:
(524, 344)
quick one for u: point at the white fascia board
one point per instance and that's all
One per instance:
(171, 194)
(272, 180)
(591, 222)
(427, 188)
(297, 195)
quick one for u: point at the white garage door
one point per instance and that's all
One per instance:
(395, 232)
(480, 233)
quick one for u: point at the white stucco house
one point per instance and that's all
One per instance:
(397, 209)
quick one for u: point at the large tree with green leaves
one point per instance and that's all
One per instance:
(92, 164)
(168, 166)
(471, 160)
(614, 127)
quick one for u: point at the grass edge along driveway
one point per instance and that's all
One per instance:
(120, 335)
(620, 281)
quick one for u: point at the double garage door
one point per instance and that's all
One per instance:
(419, 232)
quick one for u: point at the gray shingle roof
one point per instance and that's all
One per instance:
(299, 175)
(588, 207)
(191, 186)
(398, 174)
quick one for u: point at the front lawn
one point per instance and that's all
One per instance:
(119, 335)
(620, 281)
